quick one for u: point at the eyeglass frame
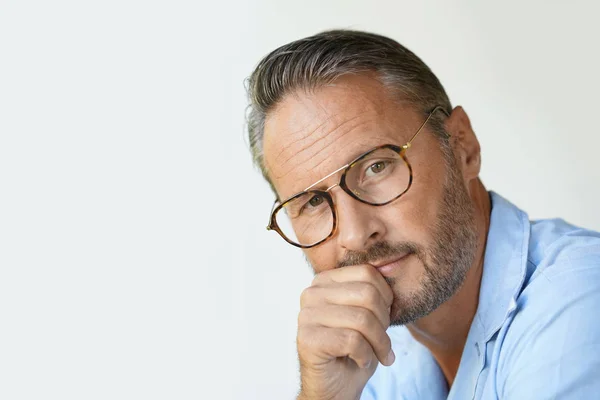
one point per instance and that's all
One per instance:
(401, 150)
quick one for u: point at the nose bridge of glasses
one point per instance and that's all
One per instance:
(331, 187)
(327, 177)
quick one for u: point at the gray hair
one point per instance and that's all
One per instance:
(318, 60)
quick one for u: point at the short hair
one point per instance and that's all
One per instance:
(318, 60)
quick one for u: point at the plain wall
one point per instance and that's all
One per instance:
(134, 258)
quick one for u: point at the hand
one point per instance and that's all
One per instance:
(341, 332)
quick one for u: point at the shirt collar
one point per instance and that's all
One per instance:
(504, 266)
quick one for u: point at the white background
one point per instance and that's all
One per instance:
(133, 256)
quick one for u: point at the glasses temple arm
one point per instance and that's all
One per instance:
(437, 108)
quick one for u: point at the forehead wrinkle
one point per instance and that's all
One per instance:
(319, 176)
(301, 138)
(357, 147)
(314, 173)
(301, 160)
(322, 139)
(321, 108)
(299, 125)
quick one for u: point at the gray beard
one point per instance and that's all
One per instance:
(445, 263)
(448, 260)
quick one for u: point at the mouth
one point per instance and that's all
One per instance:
(388, 267)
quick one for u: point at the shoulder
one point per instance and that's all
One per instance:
(563, 277)
(561, 292)
(553, 340)
(555, 242)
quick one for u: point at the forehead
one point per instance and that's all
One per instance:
(309, 135)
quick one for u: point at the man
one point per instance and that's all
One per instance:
(418, 267)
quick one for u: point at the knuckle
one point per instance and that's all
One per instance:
(306, 295)
(362, 318)
(321, 277)
(353, 340)
(369, 294)
(301, 337)
(366, 273)
(305, 316)
(304, 338)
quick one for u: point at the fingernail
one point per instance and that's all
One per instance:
(391, 357)
(368, 364)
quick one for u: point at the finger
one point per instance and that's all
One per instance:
(359, 294)
(355, 318)
(319, 345)
(357, 273)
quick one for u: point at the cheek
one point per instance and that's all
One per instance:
(429, 178)
(417, 211)
(408, 220)
(321, 258)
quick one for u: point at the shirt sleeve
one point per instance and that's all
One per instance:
(553, 348)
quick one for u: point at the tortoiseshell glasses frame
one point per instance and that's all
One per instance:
(400, 150)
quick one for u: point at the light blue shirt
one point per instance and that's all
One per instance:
(536, 332)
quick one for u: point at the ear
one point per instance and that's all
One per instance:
(464, 143)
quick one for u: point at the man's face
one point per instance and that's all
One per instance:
(428, 235)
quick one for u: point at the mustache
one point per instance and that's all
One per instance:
(378, 251)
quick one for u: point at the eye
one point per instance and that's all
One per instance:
(376, 168)
(313, 205)
(316, 201)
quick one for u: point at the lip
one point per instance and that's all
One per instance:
(387, 268)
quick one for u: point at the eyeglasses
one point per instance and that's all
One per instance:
(377, 178)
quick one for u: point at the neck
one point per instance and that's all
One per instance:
(444, 331)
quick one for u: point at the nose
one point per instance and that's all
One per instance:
(359, 224)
